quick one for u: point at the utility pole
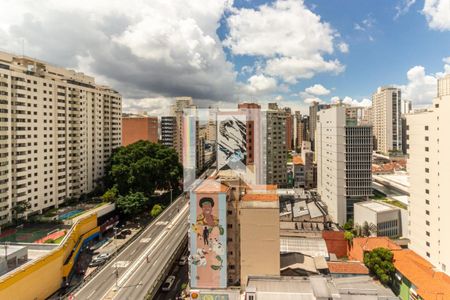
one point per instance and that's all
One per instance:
(115, 245)
(171, 193)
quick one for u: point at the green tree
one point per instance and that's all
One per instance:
(143, 167)
(132, 203)
(156, 210)
(380, 263)
(111, 194)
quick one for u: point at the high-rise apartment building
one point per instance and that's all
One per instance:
(429, 175)
(314, 109)
(253, 111)
(289, 129)
(168, 130)
(344, 160)
(276, 150)
(139, 127)
(386, 119)
(181, 103)
(58, 129)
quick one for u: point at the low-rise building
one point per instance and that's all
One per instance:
(366, 244)
(381, 219)
(315, 288)
(416, 278)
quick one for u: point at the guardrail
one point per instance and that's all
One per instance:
(162, 275)
(75, 288)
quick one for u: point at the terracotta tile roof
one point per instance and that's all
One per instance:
(263, 187)
(341, 267)
(297, 160)
(260, 197)
(370, 243)
(430, 284)
(212, 186)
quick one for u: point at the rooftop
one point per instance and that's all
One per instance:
(212, 186)
(260, 197)
(297, 160)
(349, 267)
(309, 246)
(430, 284)
(376, 206)
(370, 243)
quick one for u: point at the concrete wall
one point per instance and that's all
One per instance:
(260, 242)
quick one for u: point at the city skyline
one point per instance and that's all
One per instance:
(228, 60)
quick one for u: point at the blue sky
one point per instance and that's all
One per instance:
(384, 44)
(221, 52)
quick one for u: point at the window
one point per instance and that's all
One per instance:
(426, 127)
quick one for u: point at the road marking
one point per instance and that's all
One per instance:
(161, 223)
(121, 264)
(130, 271)
(151, 226)
(145, 240)
(93, 292)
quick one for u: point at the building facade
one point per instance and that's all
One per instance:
(58, 130)
(136, 128)
(168, 126)
(386, 119)
(314, 109)
(276, 150)
(429, 171)
(344, 159)
(381, 219)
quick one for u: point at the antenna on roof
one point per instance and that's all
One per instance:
(23, 47)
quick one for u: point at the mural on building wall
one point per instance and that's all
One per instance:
(208, 240)
(231, 142)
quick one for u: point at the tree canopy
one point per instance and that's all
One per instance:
(156, 210)
(132, 203)
(143, 167)
(380, 263)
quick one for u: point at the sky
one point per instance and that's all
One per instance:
(221, 52)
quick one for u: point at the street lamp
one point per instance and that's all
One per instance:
(170, 192)
(115, 245)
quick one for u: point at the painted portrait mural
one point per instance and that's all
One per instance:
(207, 259)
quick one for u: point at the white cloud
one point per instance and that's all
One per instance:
(260, 84)
(403, 7)
(318, 90)
(355, 103)
(291, 69)
(437, 13)
(312, 100)
(292, 38)
(145, 49)
(421, 88)
(335, 99)
(343, 47)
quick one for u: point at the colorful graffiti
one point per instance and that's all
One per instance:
(232, 144)
(208, 240)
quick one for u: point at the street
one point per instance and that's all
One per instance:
(135, 273)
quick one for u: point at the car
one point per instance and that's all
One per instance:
(168, 283)
(126, 232)
(120, 236)
(183, 260)
(99, 259)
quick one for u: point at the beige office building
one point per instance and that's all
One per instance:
(344, 159)
(58, 128)
(429, 171)
(386, 119)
